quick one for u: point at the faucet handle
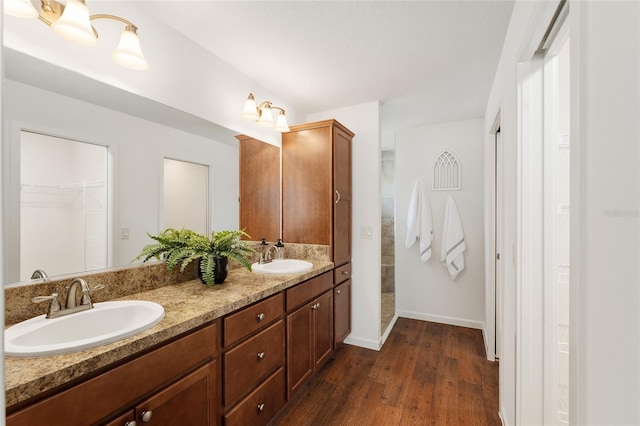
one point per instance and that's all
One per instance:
(53, 307)
(86, 298)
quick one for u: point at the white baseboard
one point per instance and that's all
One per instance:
(491, 356)
(461, 322)
(363, 343)
(502, 417)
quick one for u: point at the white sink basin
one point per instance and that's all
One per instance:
(282, 266)
(107, 322)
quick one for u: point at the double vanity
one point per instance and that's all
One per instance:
(232, 354)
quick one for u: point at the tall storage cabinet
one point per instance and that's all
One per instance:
(316, 184)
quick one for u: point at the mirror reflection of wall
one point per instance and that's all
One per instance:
(63, 205)
(186, 195)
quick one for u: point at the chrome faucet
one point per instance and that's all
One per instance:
(266, 257)
(71, 306)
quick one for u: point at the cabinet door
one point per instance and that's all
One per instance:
(190, 401)
(299, 347)
(341, 312)
(323, 328)
(259, 188)
(307, 186)
(342, 194)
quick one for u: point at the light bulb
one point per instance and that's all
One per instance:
(74, 24)
(128, 53)
(20, 8)
(281, 123)
(250, 111)
(266, 117)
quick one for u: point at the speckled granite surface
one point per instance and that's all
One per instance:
(187, 305)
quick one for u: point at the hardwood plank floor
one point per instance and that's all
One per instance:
(425, 374)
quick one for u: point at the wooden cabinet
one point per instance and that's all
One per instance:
(309, 329)
(341, 312)
(183, 371)
(316, 185)
(259, 188)
(253, 362)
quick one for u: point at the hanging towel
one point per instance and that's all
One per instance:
(419, 221)
(453, 244)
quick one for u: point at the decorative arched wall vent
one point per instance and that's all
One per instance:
(446, 172)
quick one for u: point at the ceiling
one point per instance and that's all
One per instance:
(426, 61)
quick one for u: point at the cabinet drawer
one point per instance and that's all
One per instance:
(306, 291)
(252, 360)
(342, 273)
(260, 405)
(242, 323)
(103, 395)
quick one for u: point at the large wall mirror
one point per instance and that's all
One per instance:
(139, 135)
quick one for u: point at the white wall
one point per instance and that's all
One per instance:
(364, 121)
(605, 297)
(138, 148)
(605, 218)
(425, 290)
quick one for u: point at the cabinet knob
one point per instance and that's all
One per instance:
(338, 291)
(260, 355)
(345, 273)
(146, 416)
(130, 423)
(261, 407)
(261, 316)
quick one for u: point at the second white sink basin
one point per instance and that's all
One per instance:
(107, 322)
(282, 266)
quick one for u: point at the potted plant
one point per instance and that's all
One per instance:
(181, 247)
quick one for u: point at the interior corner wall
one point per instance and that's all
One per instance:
(364, 121)
(425, 290)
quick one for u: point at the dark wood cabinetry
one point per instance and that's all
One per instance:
(178, 373)
(254, 360)
(316, 185)
(259, 188)
(309, 329)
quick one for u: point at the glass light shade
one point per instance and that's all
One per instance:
(20, 8)
(128, 53)
(250, 111)
(74, 24)
(281, 123)
(266, 117)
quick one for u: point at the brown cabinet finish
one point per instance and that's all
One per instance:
(309, 339)
(190, 401)
(259, 407)
(259, 188)
(342, 273)
(316, 183)
(341, 312)
(309, 289)
(244, 322)
(248, 363)
(113, 391)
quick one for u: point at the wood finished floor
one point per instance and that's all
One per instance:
(425, 374)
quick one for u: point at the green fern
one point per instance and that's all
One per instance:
(181, 247)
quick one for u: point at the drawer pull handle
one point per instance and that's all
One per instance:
(314, 306)
(261, 316)
(337, 197)
(260, 407)
(338, 291)
(260, 355)
(146, 416)
(345, 273)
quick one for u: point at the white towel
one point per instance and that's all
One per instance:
(419, 221)
(453, 244)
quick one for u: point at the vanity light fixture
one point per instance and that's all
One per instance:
(72, 22)
(263, 114)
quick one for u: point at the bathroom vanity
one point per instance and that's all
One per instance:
(217, 357)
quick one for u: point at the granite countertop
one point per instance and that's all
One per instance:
(187, 306)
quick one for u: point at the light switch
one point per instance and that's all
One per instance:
(366, 232)
(124, 233)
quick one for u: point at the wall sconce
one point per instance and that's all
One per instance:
(72, 22)
(263, 115)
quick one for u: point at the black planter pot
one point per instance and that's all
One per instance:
(220, 274)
